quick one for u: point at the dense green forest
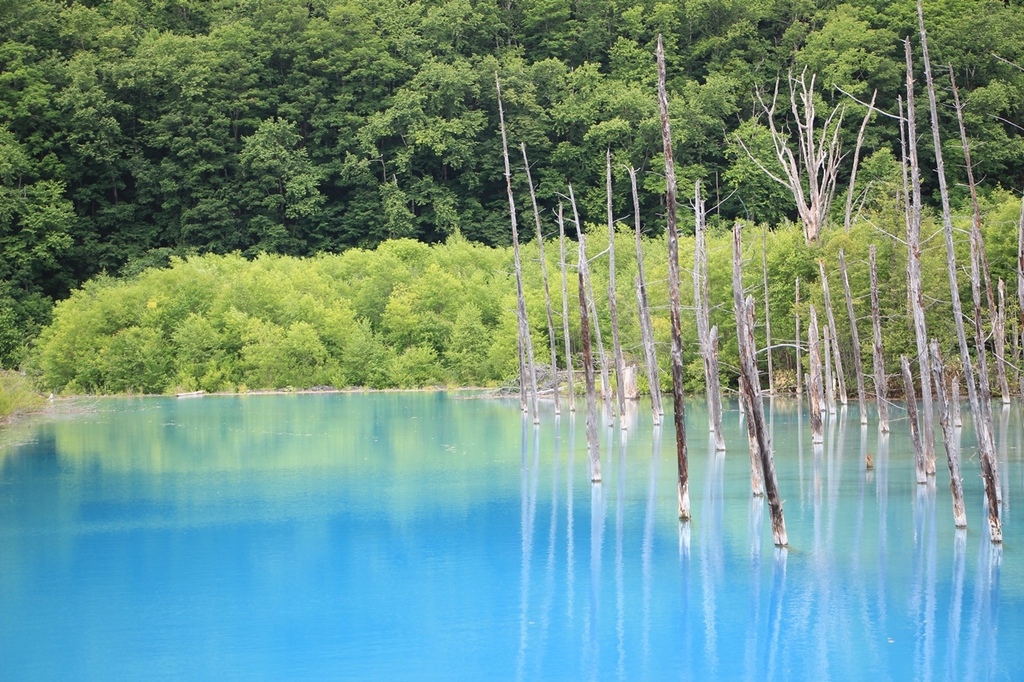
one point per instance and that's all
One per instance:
(134, 132)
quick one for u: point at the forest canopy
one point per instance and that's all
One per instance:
(135, 132)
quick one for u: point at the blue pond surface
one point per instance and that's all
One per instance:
(434, 536)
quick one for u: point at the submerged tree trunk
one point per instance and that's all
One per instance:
(673, 289)
(999, 337)
(525, 344)
(858, 365)
(613, 308)
(544, 277)
(767, 313)
(830, 394)
(975, 391)
(915, 433)
(879, 362)
(799, 360)
(646, 328)
(565, 308)
(949, 438)
(745, 339)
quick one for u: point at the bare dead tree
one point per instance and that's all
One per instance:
(816, 162)
(975, 391)
(999, 338)
(799, 361)
(673, 288)
(544, 277)
(915, 433)
(879, 362)
(848, 214)
(593, 445)
(747, 345)
(525, 344)
(858, 364)
(708, 350)
(613, 308)
(815, 388)
(949, 438)
(646, 327)
(565, 308)
(767, 312)
(837, 358)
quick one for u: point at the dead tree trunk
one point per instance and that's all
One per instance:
(593, 446)
(848, 215)
(673, 289)
(544, 277)
(914, 286)
(613, 308)
(756, 479)
(646, 328)
(837, 358)
(745, 338)
(1020, 279)
(830, 393)
(954, 400)
(815, 388)
(975, 391)
(592, 303)
(879, 363)
(915, 433)
(751, 384)
(565, 308)
(799, 360)
(767, 312)
(708, 353)
(999, 337)
(525, 344)
(858, 365)
(949, 438)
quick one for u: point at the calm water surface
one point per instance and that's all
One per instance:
(428, 536)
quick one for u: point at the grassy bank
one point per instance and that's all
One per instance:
(17, 395)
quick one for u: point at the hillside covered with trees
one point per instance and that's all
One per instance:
(133, 131)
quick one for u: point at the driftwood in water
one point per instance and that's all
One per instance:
(767, 313)
(837, 359)
(673, 289)
(565, 308)
(915, 290)
(751, 385)
(975, 390)
(592, 305)
(646, 328)
(915, 433)
(799, 361)
(708, 348)
(525, 344)
(858, 365)
(814, 388)
(593, 446)
(877, 357)
(544, 278)
(613, 308)
(949, 437)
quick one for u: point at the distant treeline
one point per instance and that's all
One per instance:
(132, 131)
(409, 314)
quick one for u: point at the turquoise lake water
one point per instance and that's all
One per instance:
(422, 536)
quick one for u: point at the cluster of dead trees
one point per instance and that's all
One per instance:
(807, 160)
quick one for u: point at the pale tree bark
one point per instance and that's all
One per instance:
(949, 438)
(879, 363)
(673, 289)
(999, 337)
(799, 360)
(815, 388)
(745, 341)
(708, 350)
(837, 358)
(1020, 278)
(976, 392)
(646, 327)
(915, 290)
(816, 163)
(544, 277)
(848, 214)
(565, 308)
(858, 364)
(829, 381)
(525, 344)
(613, 308)
(767, 313)
(915, 433)
(593, 445)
